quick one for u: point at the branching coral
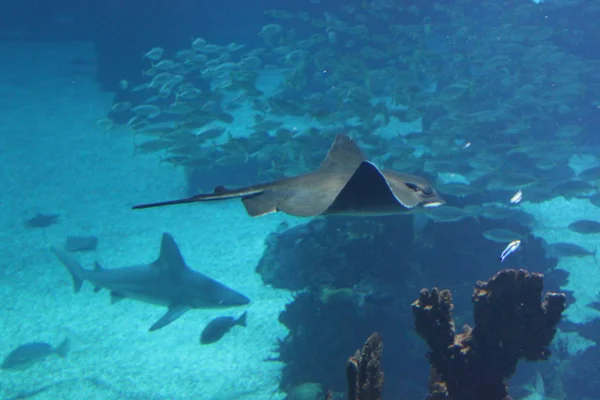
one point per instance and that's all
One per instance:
(365, 378)
(511, 323)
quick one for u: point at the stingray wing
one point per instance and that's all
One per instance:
(302, 196)
(344, 154)
(367, 192)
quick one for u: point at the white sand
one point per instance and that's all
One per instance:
(55, 159)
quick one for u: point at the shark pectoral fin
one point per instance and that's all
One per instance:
(115, 296)
(172, 314)
(72, 265)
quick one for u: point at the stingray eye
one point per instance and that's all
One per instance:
(426, 190)
(412, 186)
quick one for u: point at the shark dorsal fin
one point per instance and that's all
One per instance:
(343, 154)
(170, 258)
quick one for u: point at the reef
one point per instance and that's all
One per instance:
(355, 276)
(511, 323)
(363, 370)
(321, 334)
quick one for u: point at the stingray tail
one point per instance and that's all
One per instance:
(72, 265)
(220, 193)
(166, 203)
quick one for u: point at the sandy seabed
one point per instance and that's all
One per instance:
(54, 158)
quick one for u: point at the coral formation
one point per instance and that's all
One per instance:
(365, 378)
(306, 391)
(349, 288)
(321, 334)
(510, 324)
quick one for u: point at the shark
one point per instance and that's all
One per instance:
(346, 183)
(167, 281)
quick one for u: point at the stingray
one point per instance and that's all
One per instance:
(346, 183)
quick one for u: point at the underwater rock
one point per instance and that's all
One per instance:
(321, 334)
(365, 378)
(510, 324)
(357, 275)
(306, 391)
(334, 252)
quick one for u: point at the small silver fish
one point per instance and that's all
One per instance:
(516, 199)
(510, 248)
(155, 53)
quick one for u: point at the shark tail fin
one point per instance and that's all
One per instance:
(63, 348)
(241, 321)
(72, 265)
(97, 268)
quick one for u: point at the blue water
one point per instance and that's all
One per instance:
(318, 286)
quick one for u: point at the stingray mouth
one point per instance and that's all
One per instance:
(433, 204)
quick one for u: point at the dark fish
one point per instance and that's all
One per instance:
(457, 189)
(572, 188)
(585, 226)
(590, 174)
(502, 235)
(151, 146)
(81, 243)
(219, 327)
(283, 225)
(563, 249)
(595, 305)
(210, 134)
(28, 354)
(42, 220)
(595, 199)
